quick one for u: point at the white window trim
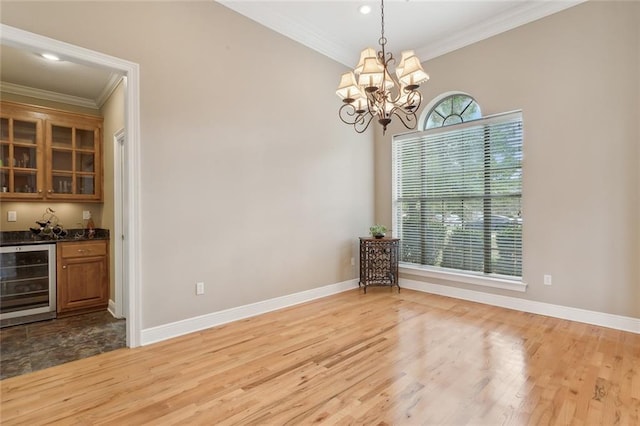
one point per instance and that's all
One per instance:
(462, 277)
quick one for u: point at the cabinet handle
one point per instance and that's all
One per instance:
(50, 191)
(64, 266)
(39, 191)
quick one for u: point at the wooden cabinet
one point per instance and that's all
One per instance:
(47, 154)
(83, 276)
(21, 153)
(74, 158)
(379, 262)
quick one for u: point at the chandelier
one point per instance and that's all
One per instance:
(372, 90)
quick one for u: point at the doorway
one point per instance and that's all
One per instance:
(127, 253)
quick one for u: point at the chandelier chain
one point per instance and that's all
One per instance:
(383, 39)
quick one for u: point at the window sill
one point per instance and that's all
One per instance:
(460, 277)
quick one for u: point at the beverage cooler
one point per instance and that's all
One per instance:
(27, 283)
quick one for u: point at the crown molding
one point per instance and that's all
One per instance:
(528, 12)
(296, 30)
(291, 28)
(108, 89)
(47, 95)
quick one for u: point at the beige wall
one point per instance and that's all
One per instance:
(249, 181)
(113, 113)
(576, 77)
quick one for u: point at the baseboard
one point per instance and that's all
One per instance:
(112, 308)
(617, 322)
(190, 325)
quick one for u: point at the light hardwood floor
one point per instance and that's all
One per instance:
(380, 358)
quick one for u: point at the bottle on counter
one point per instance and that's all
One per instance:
(91, 228)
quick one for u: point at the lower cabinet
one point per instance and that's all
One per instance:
(83, 276)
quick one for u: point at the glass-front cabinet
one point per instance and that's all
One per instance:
(49, 154)
(21, 165)
(75, 155)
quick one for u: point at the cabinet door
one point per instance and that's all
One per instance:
(74, 161)
(21, 175)
(82, 283)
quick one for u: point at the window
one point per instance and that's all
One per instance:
(453, 109)
(457, 191)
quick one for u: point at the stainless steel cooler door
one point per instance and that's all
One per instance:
(27, 280)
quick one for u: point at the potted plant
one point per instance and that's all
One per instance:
(378, 231)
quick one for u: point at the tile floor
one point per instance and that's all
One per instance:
(31, 347)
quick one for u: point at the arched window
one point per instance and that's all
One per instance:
(452, 109)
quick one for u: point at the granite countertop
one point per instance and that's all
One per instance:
(16, 238)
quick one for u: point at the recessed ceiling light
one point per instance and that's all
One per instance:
(365, 9)
(50, 56)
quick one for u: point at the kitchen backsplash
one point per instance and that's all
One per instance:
(69, 214)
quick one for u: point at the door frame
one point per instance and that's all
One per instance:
(21, 39)
(119, 224)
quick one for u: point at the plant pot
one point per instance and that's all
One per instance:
(378, 236)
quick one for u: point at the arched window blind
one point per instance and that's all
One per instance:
(457, 196)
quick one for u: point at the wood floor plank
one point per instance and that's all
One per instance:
(404, 358)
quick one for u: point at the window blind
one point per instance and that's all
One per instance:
(457, 196)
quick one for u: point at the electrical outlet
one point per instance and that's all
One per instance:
(199, 288)
(547, 280)
(353, 261)
(12, 216)
(86, 215)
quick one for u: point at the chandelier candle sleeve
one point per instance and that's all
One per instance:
(372, 90)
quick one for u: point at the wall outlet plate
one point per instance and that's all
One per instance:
(12, 216)
(86, 215)
(199, 288)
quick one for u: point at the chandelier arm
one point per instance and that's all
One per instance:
(349, 115)
(362, 126)
(405, 117)
(414, 99)
(359, 120)
(397, 88)
(372, 101)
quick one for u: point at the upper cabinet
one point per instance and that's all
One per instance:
(74, 160)
(48, 154)
(21, 153)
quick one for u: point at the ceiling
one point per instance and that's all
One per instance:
(25, 72)
(334, 28)
(430, 27)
